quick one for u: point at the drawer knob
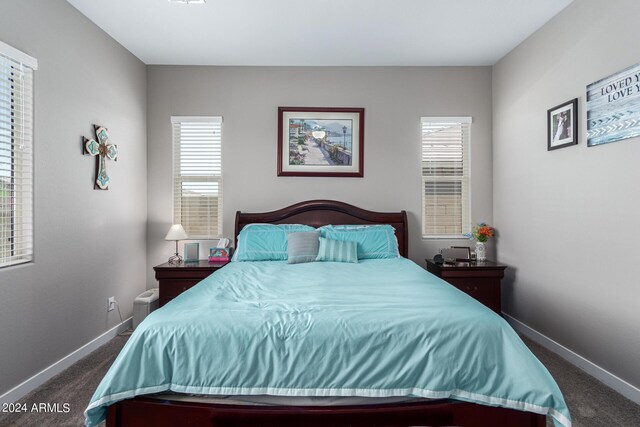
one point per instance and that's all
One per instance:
(472, 288)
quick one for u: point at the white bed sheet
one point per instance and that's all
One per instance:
(266, 400)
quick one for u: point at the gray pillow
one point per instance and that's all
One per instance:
(303, 246)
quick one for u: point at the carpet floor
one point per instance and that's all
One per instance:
(591, 403)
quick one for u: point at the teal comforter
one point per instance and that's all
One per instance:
(378, 328)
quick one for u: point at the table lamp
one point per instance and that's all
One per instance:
(176, 232)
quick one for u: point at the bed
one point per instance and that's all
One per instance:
(373, 330)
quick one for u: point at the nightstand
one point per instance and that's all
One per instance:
(177, 278)
(480, 279)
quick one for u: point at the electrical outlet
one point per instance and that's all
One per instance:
(111, 303)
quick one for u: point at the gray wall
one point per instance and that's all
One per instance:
(248, 97)
(89, 244)
(555, 211)
(568, 219)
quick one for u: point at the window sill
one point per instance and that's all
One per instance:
(16, 263)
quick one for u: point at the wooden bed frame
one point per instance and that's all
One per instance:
(144, 411)
(317, 213)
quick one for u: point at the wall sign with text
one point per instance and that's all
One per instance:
(613, 107)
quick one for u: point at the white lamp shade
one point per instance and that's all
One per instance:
(176, 232)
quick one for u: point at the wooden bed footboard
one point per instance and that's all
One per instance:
(142, 411)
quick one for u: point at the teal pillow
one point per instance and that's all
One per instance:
(303, 246)
(265, 242)
(374, 241)
(337, 250)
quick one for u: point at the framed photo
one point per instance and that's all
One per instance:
(562, 125)
(191, 252)
(320, 141)
(457, 253)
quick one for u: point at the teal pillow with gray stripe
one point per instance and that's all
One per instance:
(265, 242)
(337, 250)
(302, 246)
(374, 241)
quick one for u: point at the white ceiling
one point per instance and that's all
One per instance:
(321, 32)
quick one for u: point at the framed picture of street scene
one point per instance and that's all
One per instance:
(320, 141)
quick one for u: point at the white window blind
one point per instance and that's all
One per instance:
(445, 176)
(197, 175)
(16, 156)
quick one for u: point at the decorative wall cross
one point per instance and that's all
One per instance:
(101, 150)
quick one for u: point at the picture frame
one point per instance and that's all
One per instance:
(321, 141)
(562, 125)
(466, 250)
(456, 253)
(191, 252)
(613, 107)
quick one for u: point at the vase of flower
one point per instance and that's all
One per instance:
(481, 234)
(481, 253)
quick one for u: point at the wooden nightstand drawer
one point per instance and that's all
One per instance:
(480, 280)
(174, 279)
(184, 274)
(487, 293)
(173, 288)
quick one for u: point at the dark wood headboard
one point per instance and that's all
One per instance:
(317, 213)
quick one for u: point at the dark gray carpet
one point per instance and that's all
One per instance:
(74, 385)
(592, 404)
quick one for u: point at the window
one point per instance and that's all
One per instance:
(197, 175)
(445, 177)
(16, 156)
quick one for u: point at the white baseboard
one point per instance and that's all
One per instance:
(618, 384)
(46, 374)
